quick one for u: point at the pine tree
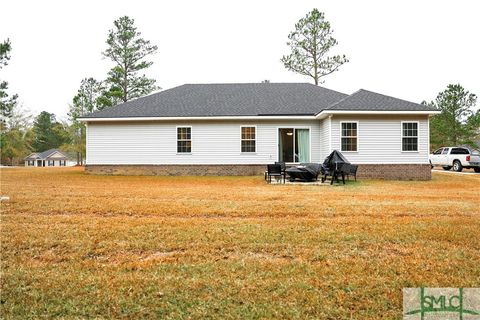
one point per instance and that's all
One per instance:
(128, 50)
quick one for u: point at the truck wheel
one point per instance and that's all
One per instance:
(457, 166)
(447, 168)
(477, 169)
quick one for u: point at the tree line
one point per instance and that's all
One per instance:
(128, 51)
(310, 44)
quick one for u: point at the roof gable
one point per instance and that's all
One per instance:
(53, 153)
(364, 100)
(57, 155)
(31, 156)
(50, 153)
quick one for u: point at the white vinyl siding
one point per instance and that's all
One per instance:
(213, 142)
(324, 138)
(219, 141)
(380, 139)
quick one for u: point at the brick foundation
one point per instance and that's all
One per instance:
(178, 170)
(365, 171)
(394, 171)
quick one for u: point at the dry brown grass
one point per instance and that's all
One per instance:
(75, 245)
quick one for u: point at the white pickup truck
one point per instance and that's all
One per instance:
(456, 158)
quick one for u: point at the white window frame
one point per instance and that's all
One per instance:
(256, 136)
(176, 140)
(294, 127)
(418, 137)
(357, 136)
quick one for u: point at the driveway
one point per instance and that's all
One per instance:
(454, 172)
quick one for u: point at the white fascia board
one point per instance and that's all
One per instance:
(326, 113)
(197, 118)
(31, 154)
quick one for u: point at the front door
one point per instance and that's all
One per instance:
(293, 145)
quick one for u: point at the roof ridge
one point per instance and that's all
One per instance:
(317, 86)
(343, 99)
(237, 83)
(335, 104)
(391, 97)
(258, 83)
(48, 152)
(387, 96)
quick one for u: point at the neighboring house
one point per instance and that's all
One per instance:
(236, 129)
(49, 158)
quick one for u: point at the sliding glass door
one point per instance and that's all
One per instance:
(293, 145)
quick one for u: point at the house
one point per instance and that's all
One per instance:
(236, 129)
(49, 158)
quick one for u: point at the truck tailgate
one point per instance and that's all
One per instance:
(474, 160)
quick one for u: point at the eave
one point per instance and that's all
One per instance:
(326, 113)
(123, 119)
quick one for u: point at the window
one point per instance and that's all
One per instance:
(438, 151)
(349, 136)
(445, 150)
(184, 139)
(409, 136)
(248, 139)
(294, 145)
(62, 163)
(31, 163)
(459, 151)
(51, 163)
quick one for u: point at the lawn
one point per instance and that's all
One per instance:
(81, 246)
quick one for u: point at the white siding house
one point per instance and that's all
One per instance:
(49, 158)
(213, 142)
(380, 139)
(251, 125)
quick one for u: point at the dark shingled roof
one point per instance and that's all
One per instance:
(246, 99)
(365, 100)
(252, 99)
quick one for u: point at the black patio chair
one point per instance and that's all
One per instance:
(274, 170)
(282, 164)
(352, 171)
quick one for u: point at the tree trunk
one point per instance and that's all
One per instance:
(125, 85)
(315, 62)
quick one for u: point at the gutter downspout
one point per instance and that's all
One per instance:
(329, 134)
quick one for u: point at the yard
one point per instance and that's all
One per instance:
(79, 246)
